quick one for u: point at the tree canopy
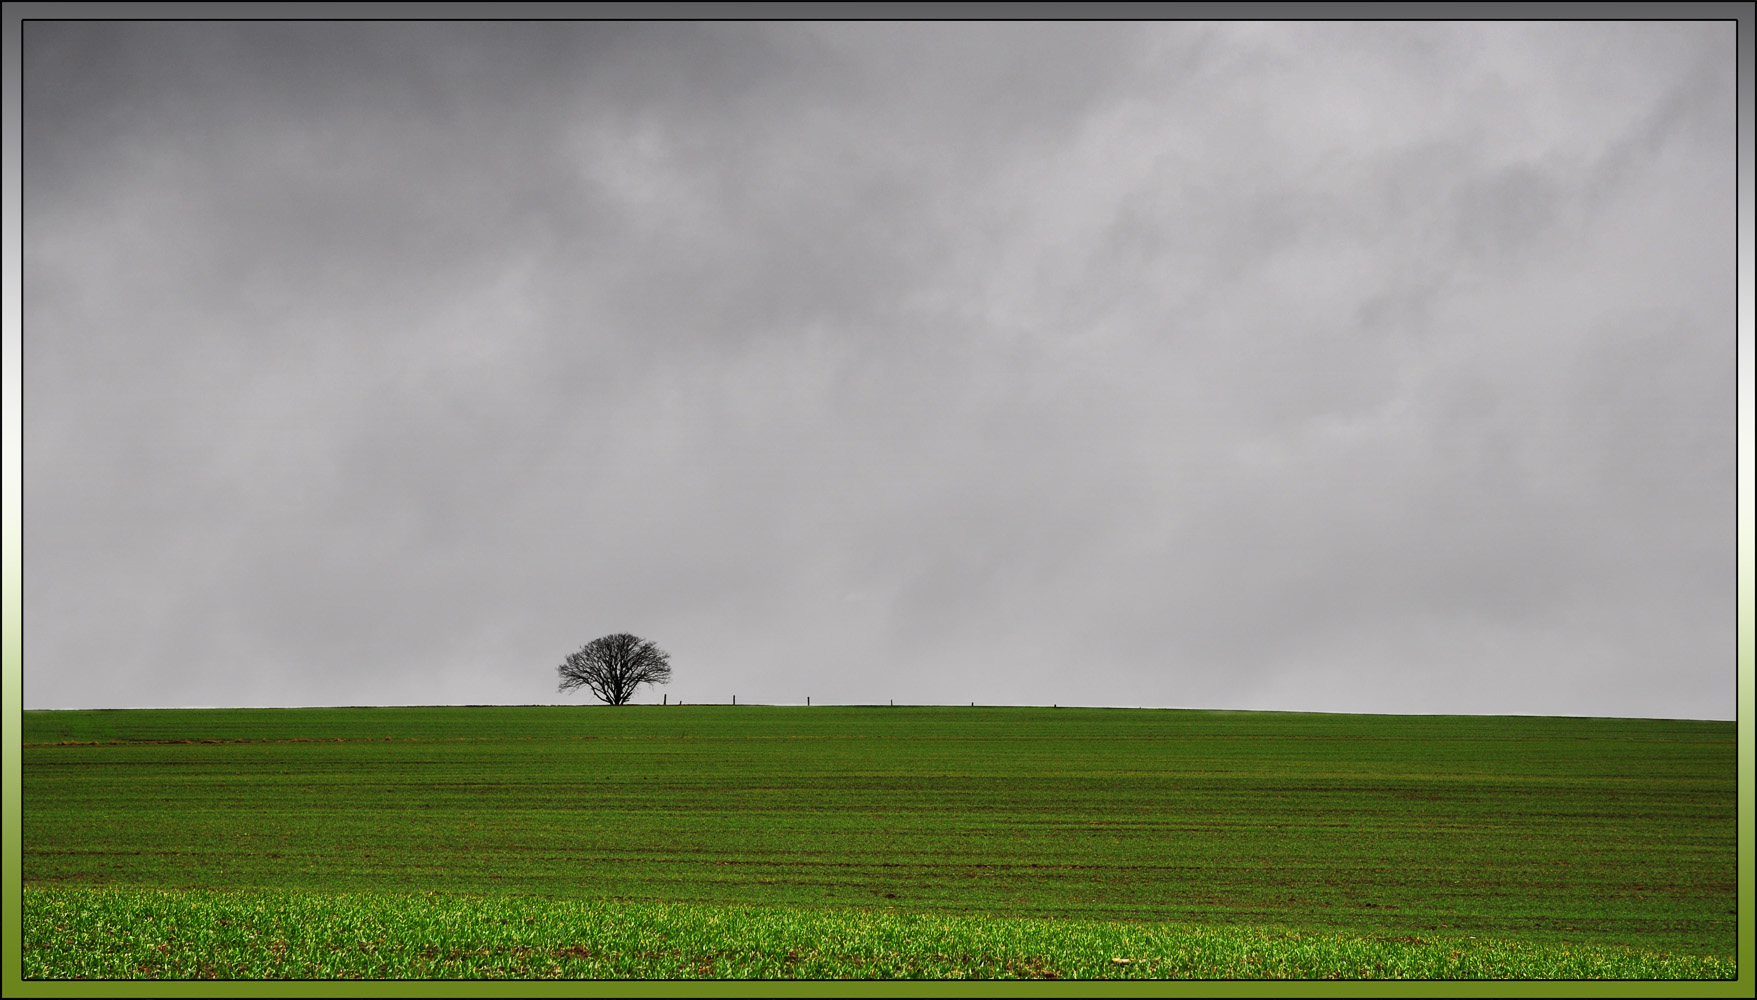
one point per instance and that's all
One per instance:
(613, 666)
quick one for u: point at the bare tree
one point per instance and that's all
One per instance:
(612, 667)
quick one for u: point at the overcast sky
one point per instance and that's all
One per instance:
(1353, 367)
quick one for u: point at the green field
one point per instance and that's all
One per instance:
(1557, 834)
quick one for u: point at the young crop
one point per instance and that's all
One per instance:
(154, 934)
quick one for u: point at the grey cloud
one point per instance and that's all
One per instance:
(1368, 367)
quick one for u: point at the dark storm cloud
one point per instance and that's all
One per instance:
(1359, 367)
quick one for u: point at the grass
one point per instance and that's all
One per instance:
(155, 934)
(1583, 836)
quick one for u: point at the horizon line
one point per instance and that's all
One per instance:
(888, 704)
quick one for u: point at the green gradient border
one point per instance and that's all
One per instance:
(1747, 496)
(11, 604)
(11, 572)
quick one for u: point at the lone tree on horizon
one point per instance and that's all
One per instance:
(613, 666)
